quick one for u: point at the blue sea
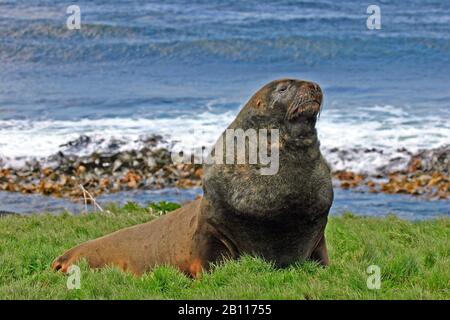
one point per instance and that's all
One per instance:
(171, 67)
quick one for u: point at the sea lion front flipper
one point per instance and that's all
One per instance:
(320, 253)
(209, 246)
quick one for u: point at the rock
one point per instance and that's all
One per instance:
(431, 160)
(81, 170)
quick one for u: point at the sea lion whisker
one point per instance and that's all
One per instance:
(293, 108)
(295, 112)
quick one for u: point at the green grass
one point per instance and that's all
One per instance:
(413, 257)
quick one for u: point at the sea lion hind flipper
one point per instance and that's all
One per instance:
(138, 249)
(63, 262)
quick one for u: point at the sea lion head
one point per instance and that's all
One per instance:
(290, 105)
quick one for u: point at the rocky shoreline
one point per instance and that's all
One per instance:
(148, 168)
(151, 167)
(427, 174)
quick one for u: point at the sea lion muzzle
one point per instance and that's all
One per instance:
(306, 103)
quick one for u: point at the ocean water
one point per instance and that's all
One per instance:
(181, 66)
(365, 204)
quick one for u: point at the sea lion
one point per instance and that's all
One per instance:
(280, 217)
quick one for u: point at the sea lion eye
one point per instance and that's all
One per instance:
(283, 89)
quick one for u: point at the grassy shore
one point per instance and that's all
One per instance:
(414, 258)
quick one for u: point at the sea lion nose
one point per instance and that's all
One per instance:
(307, 101)
(314, 86)
(314, 92)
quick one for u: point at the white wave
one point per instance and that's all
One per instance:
(24, 139)
(392, 136)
